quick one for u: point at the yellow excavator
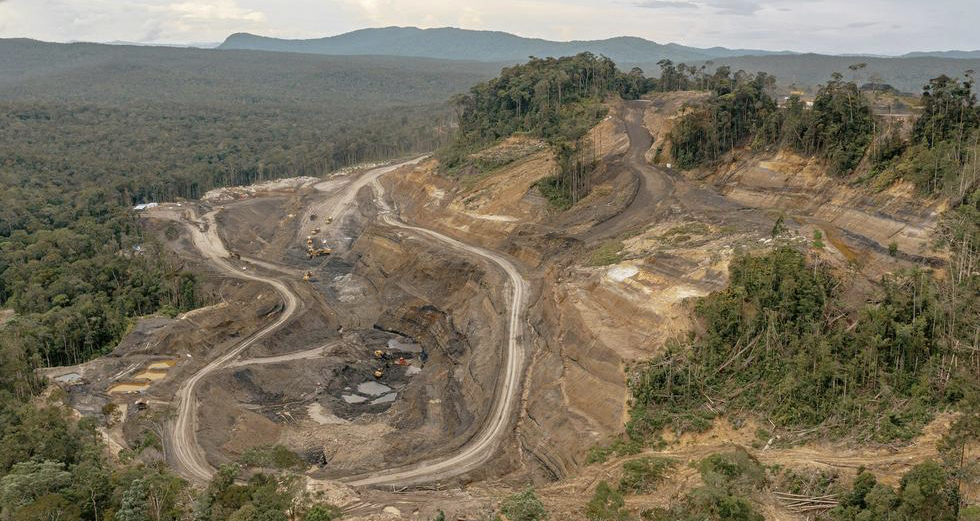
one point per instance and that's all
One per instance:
(308, 276)
(379, 372)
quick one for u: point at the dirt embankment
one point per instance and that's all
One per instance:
(614, 273)
(587, 323)
(860, 221)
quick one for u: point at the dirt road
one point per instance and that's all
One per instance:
(316, 352)
(662, 191)
(187, 454)
(485, 443)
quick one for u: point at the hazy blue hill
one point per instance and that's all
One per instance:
(113, 74)
(461, 44)
(959, 55)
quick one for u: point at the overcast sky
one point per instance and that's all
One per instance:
(827, 26)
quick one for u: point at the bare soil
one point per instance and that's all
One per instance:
(670, 235)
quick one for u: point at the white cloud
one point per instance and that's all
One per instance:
(804, 25)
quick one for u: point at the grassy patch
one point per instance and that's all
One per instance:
(736, 470)
(682, 233)
(523, 506)
(642, 475)
(729, 481)
(606, 505)
(271, 457)
(601, 453)
(606, 254)
(558, 198)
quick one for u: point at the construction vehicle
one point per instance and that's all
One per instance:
(328, 220)
(316, 231)
(316, 252)
(402, 361)
(379, 372)
(308, 275)
(379, 354)
(235, 256)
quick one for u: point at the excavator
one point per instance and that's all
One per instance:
(313, 251)
(308, 276)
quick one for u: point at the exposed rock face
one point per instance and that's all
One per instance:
(799, 186)
(589, 323)
(452, 307)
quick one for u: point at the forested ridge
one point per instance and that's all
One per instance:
(940, 156)
(557, 100)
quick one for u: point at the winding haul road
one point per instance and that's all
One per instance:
(482, 447)
(187, 454)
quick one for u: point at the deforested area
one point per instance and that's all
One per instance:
(270, 281)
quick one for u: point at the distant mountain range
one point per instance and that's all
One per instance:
(450, 43)
(488, 46)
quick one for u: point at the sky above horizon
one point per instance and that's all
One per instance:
(823, 26)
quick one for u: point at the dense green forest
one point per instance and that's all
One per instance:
(55, 468)
(940, 157)
(738, 108)
(557, 100)
(86, 131)
(741, 110)
(944, 150)
(778, 343)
